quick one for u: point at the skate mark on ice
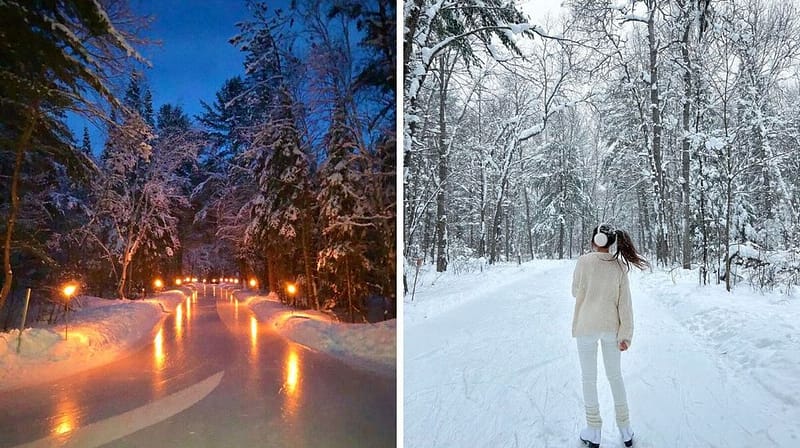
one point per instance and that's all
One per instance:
(113, 428)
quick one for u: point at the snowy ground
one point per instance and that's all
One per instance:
(99, 331)
(372, 346)
(489, 361)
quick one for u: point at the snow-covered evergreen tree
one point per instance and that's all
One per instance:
(679, 130)
(86, 143)
(143, 190)
(343, 214)
(226, 120)
(262, 63)
(147, 108)
(133, 99)
(282, 207)
(56, 57)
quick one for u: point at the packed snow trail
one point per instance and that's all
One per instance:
(271, 393)
(490, 361)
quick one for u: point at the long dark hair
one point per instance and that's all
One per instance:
(627, 250)
(625, 247)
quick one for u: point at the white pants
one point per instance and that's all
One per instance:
(587, 352)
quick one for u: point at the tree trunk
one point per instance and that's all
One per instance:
(349, 290)
(703, 227)
(311, 285)
(441, 213)
(528, 226)
(563, 194)
(408, 128)
(702, 190)
(508, 233)
(662, 251)
(685, 155)
(484, 200)
(126, 262)
(411, 23)
(427, 244)
(583, 233)
(726, 247)
(417, 12)
(271, 277)
(22, 145)
(571, 238)
(505, 172)
(484, 183)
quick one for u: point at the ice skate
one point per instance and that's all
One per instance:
(627, 436)
(590, 437)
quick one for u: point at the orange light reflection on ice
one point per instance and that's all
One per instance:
(158, 354)
(292, 372)
(179, 318)
(63, 428)
(66, 417)
(253, 353)
(291, 385)
(158, 363)
(253, 331)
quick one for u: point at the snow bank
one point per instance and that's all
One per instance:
(371, 346)
(99, 332)
(169, 300)
(755, 335)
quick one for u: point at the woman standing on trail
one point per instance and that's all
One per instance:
(603, 313)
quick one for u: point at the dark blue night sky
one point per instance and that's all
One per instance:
(193, 58)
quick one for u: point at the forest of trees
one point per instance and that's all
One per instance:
(288, 175)
(677, 120)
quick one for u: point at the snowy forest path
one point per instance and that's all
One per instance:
(501, 369)
(272, 393)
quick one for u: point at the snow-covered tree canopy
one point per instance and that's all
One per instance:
(674, 120)
(300, 169)
(55, 57)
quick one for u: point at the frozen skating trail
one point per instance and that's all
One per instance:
(500, 369)
(214, 377)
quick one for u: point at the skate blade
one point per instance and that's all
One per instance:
(590, 444)
(629, 443)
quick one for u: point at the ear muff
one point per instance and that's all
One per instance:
(600, 239)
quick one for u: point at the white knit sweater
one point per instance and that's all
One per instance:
(602, 297)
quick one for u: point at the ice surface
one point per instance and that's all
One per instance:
(489, 361)
(113, 428)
